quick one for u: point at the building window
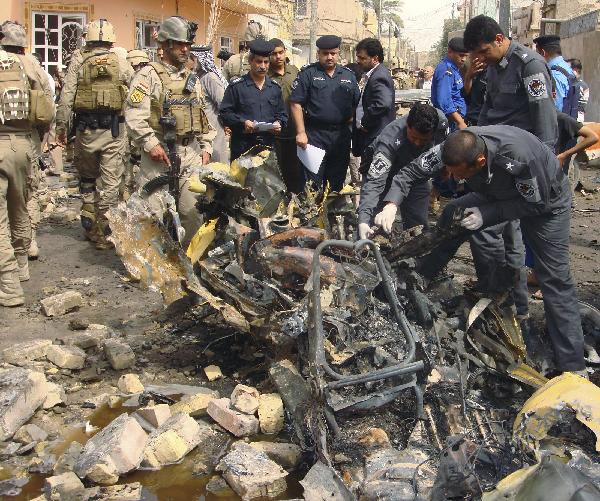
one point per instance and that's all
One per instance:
(144, 31)
(54, 37)
(300, 7)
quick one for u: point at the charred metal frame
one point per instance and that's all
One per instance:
(321, 368)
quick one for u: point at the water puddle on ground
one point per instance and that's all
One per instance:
(171, 483)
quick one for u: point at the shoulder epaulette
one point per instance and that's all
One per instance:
(275, 82)
(307, 66)
(236, 80)
(448, 72)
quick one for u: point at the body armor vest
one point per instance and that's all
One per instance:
(186, 107)
(99, 84)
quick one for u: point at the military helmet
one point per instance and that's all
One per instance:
(100, 31)
(136, 56)
(12, 33)
(178, 29)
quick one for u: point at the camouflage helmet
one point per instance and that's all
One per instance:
(12, 33)
(136, 56)
(100, 31)
(177, 29)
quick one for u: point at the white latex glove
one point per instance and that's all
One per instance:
(386, 217)
(364, 231)
(473, 220)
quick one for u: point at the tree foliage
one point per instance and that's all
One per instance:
(440, 49)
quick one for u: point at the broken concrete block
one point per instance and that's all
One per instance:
(66, 357)
(21, 392)
(322, 482)
(61, 303)
(130, 383)
(114, 451)
(175, 438)
(194, 405)
(245, 399)
(238, 423)
(119, 355)
(213, 372)
(92, 337)
(127, 492)
(65, 486)
(54, 395)
(30, 433)
(22, 353)
(284, 454)
(271, 413)
(156, 415)
(251, 474)
(66, 462)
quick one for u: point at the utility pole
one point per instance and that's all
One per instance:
(314, 19)
(379, 19)
(504, 16)
(389, 42)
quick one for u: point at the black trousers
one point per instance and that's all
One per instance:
(336, 143)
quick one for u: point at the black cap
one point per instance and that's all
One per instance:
(224, 54)
(261, 47)
(547, 42)
(457, 45)
(276, 42)
(327, 42)
(200, 48)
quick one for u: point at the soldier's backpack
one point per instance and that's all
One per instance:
(19, 104)
(99, 84)
(571, 100)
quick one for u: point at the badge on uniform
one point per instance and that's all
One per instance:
(528, 189)
(379, 166)
(431, 160)
(137, 95)
(536, 87)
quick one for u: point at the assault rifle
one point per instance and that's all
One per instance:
(169, 125)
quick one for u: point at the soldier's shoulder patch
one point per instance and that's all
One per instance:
(138, 93)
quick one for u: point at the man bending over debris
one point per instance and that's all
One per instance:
(513, 176)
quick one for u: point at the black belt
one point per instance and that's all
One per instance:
(325, 126)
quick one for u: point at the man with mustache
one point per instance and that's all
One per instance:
(251, 99)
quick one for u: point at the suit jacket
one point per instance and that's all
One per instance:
(378, 106)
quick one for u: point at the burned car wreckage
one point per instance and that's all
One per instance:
(366, 336)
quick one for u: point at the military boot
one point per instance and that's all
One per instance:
(11, 292)
(103, 231)
(34, 251)
(88, 222)
(23, 272)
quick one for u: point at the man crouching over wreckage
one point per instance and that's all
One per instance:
(512, 176)
(165, 116)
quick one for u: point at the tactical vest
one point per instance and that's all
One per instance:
(99, 84)
(187, 109)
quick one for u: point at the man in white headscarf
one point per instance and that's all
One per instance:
(213, 84)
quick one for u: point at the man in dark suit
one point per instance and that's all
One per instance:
(376, 106)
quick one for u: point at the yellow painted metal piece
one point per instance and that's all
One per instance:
(548, 405)
(202, 239)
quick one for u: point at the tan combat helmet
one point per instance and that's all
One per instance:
(12, 33)
(100, 31)
(177, 29)
(136, 56)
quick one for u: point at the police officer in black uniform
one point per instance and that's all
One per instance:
(513, 176)
(519, 84)
(324, 97)
(400, 142)
(252, 99)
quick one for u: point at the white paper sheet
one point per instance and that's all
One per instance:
(311, 157)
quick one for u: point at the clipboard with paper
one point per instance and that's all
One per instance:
(311, 157)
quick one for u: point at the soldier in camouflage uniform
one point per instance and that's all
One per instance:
(95, 88)
(170, 79)
(238, 64)
(26, 108)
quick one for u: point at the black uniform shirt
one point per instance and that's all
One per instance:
(522, 178)
(391, 152)
(243, 100)
(327, 100)
(519, 93)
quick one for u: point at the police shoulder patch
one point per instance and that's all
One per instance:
(449, 73)
(432, 159)
(379, 166)
(137, 94)
(536, 87)
(275, 82)
(236, 80)
(528, 189)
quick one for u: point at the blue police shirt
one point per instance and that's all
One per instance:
(446, 88)
(329, 100)
(561, 81)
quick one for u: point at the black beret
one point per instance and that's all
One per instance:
(276, 42)
(200, 48)
(260, 47)
(329, 42)
(457, 45)
(224, 54)
(548, 41)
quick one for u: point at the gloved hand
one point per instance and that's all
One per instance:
(386, 217)
(364, 231)
(474, 219)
